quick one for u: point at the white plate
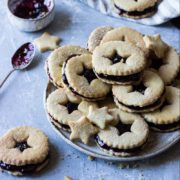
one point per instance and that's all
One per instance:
(156, 144)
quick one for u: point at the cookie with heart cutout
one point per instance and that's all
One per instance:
(127, 138)
(136, 9)
(80, 79)
(126, 34)
(56, 59)
(164, 59)
(118, 62)
(23, 150)
(96, 36)
(144, 97)
(62, 107)
(167, 117)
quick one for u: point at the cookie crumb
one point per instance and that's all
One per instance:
(67, 178)
(91, 158)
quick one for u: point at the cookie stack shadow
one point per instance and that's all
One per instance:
(115, 90)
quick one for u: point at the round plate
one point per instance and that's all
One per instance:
(157, 142)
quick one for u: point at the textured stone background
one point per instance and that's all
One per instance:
(21, 98)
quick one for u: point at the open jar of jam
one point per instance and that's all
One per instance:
(31, 15)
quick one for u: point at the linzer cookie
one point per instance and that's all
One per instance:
(79, 78)
(167, 117)
(118, 62)
(62, 107)
(126, 34)
(164, 59)
(96, 37)
(57, 58)
(144, 97)
(125, 139)
(23, 150)
(136, 9)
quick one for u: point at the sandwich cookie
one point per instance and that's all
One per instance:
(118, 62)
(136, 9)
(23, 150)
(62, 107)
(57, 58)
(126, 138)
(79, 78)
(126, 34)
(144, 97)
(167, 117)
(96, 37)
(164, 59)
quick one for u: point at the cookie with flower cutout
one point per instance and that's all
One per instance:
(82, 130)
(56, 59)
(62, 107)
(118, 62)
(167, 117)
(23, 150)
(144, 97)
(164, 59)
(127, 138)
(96, 36)
(80, 79)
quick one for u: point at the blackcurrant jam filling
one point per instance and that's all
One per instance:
(25, 169)
(157, 63)
(116, 58)
(64, 126)
(23, 55)
(164, 126)
(22, 146)
(128, 78)
(88, 74)
(30, 9)
(122, 128)
(156, 103)
(137, 13)
(139, 88)
(71, 107)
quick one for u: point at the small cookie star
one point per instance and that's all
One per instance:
(46, 42)
(156, 44)
(82, 129)
(100, 117)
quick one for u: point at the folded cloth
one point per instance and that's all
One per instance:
(167, 10)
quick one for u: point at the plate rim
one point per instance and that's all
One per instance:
(105, 157)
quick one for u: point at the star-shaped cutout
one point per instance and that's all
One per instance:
(82, 129)
(156, 44)
(46, 42)
(99, 117)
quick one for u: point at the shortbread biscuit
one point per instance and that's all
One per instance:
(144, 97)
(167, 117)
(57, 58)
(79, 78)
(126, 34)
(118, 62)
(136, 9)
(96, 37)
(23, 150)
(126, 138)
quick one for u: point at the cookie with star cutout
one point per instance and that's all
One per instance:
(167, 117)
(146, 96)
(118, 62)
(80, 79)
(127, 138)
(23, 150)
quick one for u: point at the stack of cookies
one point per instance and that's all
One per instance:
(114, 90)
